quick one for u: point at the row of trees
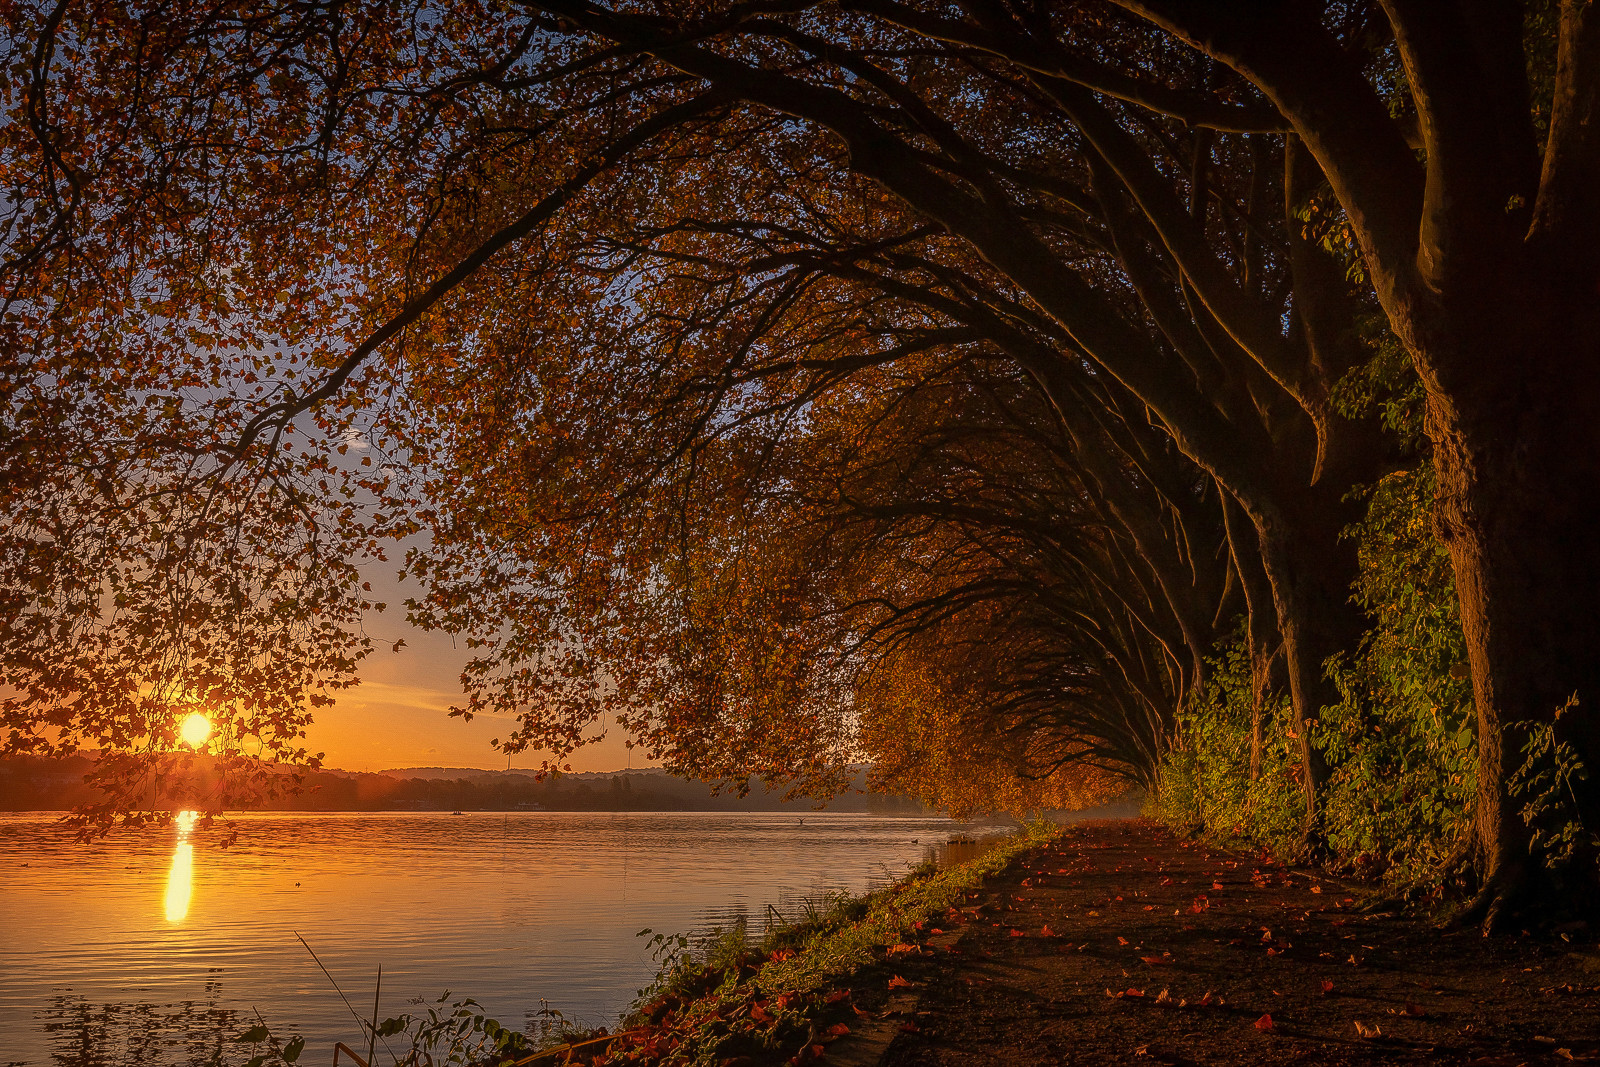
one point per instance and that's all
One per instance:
(1029, 393)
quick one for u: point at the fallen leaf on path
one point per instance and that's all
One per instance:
(898, 983)
(1416, 1011)
(1355, 960)
(1122, 941)
(1316, 889)
(1157, 961)
(1205, 999)
(836, 996)
(1368, 1032)
(1264, 1023)
(1045, 931)
(1327, 986)
(1216, 885)
(1163, 997)
(1016, 933)
(896, 950)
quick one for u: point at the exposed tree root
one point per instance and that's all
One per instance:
(1502, 898)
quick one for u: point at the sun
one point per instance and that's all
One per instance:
(194, 729)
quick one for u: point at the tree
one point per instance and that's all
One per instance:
(1200, 204)
(1483, 253)
(1068, 218)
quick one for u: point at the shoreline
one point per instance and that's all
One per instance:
(1118, 943)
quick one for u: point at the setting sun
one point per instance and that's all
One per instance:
(194, 729)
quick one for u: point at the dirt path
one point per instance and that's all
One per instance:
(1120, 944)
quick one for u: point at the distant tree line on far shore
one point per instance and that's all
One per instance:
(42, 784)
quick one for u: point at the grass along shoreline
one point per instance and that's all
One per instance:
(732, 1000)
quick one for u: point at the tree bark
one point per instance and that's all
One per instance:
(1310, 568)
(1517, 454)
(1267, 678)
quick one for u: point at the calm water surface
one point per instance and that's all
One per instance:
(155, 948)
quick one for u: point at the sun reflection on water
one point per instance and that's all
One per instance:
(180, 879)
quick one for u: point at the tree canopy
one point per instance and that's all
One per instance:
(790, 378)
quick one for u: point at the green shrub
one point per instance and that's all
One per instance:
(1402, 740)
(1205, 779)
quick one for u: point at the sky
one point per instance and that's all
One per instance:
(400, 714)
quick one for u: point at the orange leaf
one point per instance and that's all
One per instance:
(1264, 1023)
(898, 983)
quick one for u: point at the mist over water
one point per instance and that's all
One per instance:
(158, 947)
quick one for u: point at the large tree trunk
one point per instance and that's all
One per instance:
(1517, 452)
(1311, 569)
(1266, 644)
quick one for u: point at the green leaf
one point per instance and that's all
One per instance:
(292, 1050)
(254, 1034)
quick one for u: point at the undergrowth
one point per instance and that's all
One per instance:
(1401, 742)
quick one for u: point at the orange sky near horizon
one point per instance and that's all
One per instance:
(399, 715)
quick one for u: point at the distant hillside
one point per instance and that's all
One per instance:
(36, 784)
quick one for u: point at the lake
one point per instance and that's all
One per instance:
(156, 947)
